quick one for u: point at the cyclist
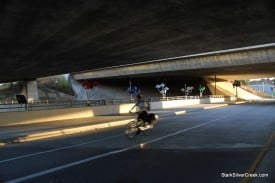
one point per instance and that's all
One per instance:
(143, 107)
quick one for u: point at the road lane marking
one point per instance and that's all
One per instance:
(52, 170)
(181, 131)
(38, 174)
(58, 149)
(259, 158)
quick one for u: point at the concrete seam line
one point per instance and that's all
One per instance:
(259, 158)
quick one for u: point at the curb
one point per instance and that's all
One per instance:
(172, 114)
(215, 106)
(67, 131)
(72, 130)
(81, 129)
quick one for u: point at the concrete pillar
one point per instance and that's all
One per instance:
(31, 90)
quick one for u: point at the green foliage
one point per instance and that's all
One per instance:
(9, 90)
(59, 83)
(244, 82)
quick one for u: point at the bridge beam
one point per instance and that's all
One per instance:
(218, 61)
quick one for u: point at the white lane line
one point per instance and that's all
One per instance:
(181, 131)
(58, 149)
(38, 174)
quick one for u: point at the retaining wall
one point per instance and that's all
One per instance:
(24, 117)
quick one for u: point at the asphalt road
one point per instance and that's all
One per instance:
(215, 145)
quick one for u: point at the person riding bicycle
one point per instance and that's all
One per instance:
(143, 107)
(145, 120)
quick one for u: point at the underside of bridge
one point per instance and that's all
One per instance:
(230, 73)
(42, 38)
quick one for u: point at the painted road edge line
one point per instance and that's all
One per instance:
(259, 158)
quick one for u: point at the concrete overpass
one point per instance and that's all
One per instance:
(194, 70)
(42, 38)
(56, 37)
(233, 64)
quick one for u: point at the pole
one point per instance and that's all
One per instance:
(56, 90)
(130, 83)
(215, 84)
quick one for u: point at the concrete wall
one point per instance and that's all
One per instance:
(173, 103)
(26, 117)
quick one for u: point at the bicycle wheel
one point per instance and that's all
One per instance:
(148, 130)
(131, 130)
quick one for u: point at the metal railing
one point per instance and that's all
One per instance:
(14, 106)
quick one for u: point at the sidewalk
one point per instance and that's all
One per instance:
(16, 132)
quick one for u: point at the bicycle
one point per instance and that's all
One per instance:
(145, 126)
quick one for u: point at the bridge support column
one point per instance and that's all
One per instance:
(30, 90)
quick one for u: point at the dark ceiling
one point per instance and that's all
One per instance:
(42, 38)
